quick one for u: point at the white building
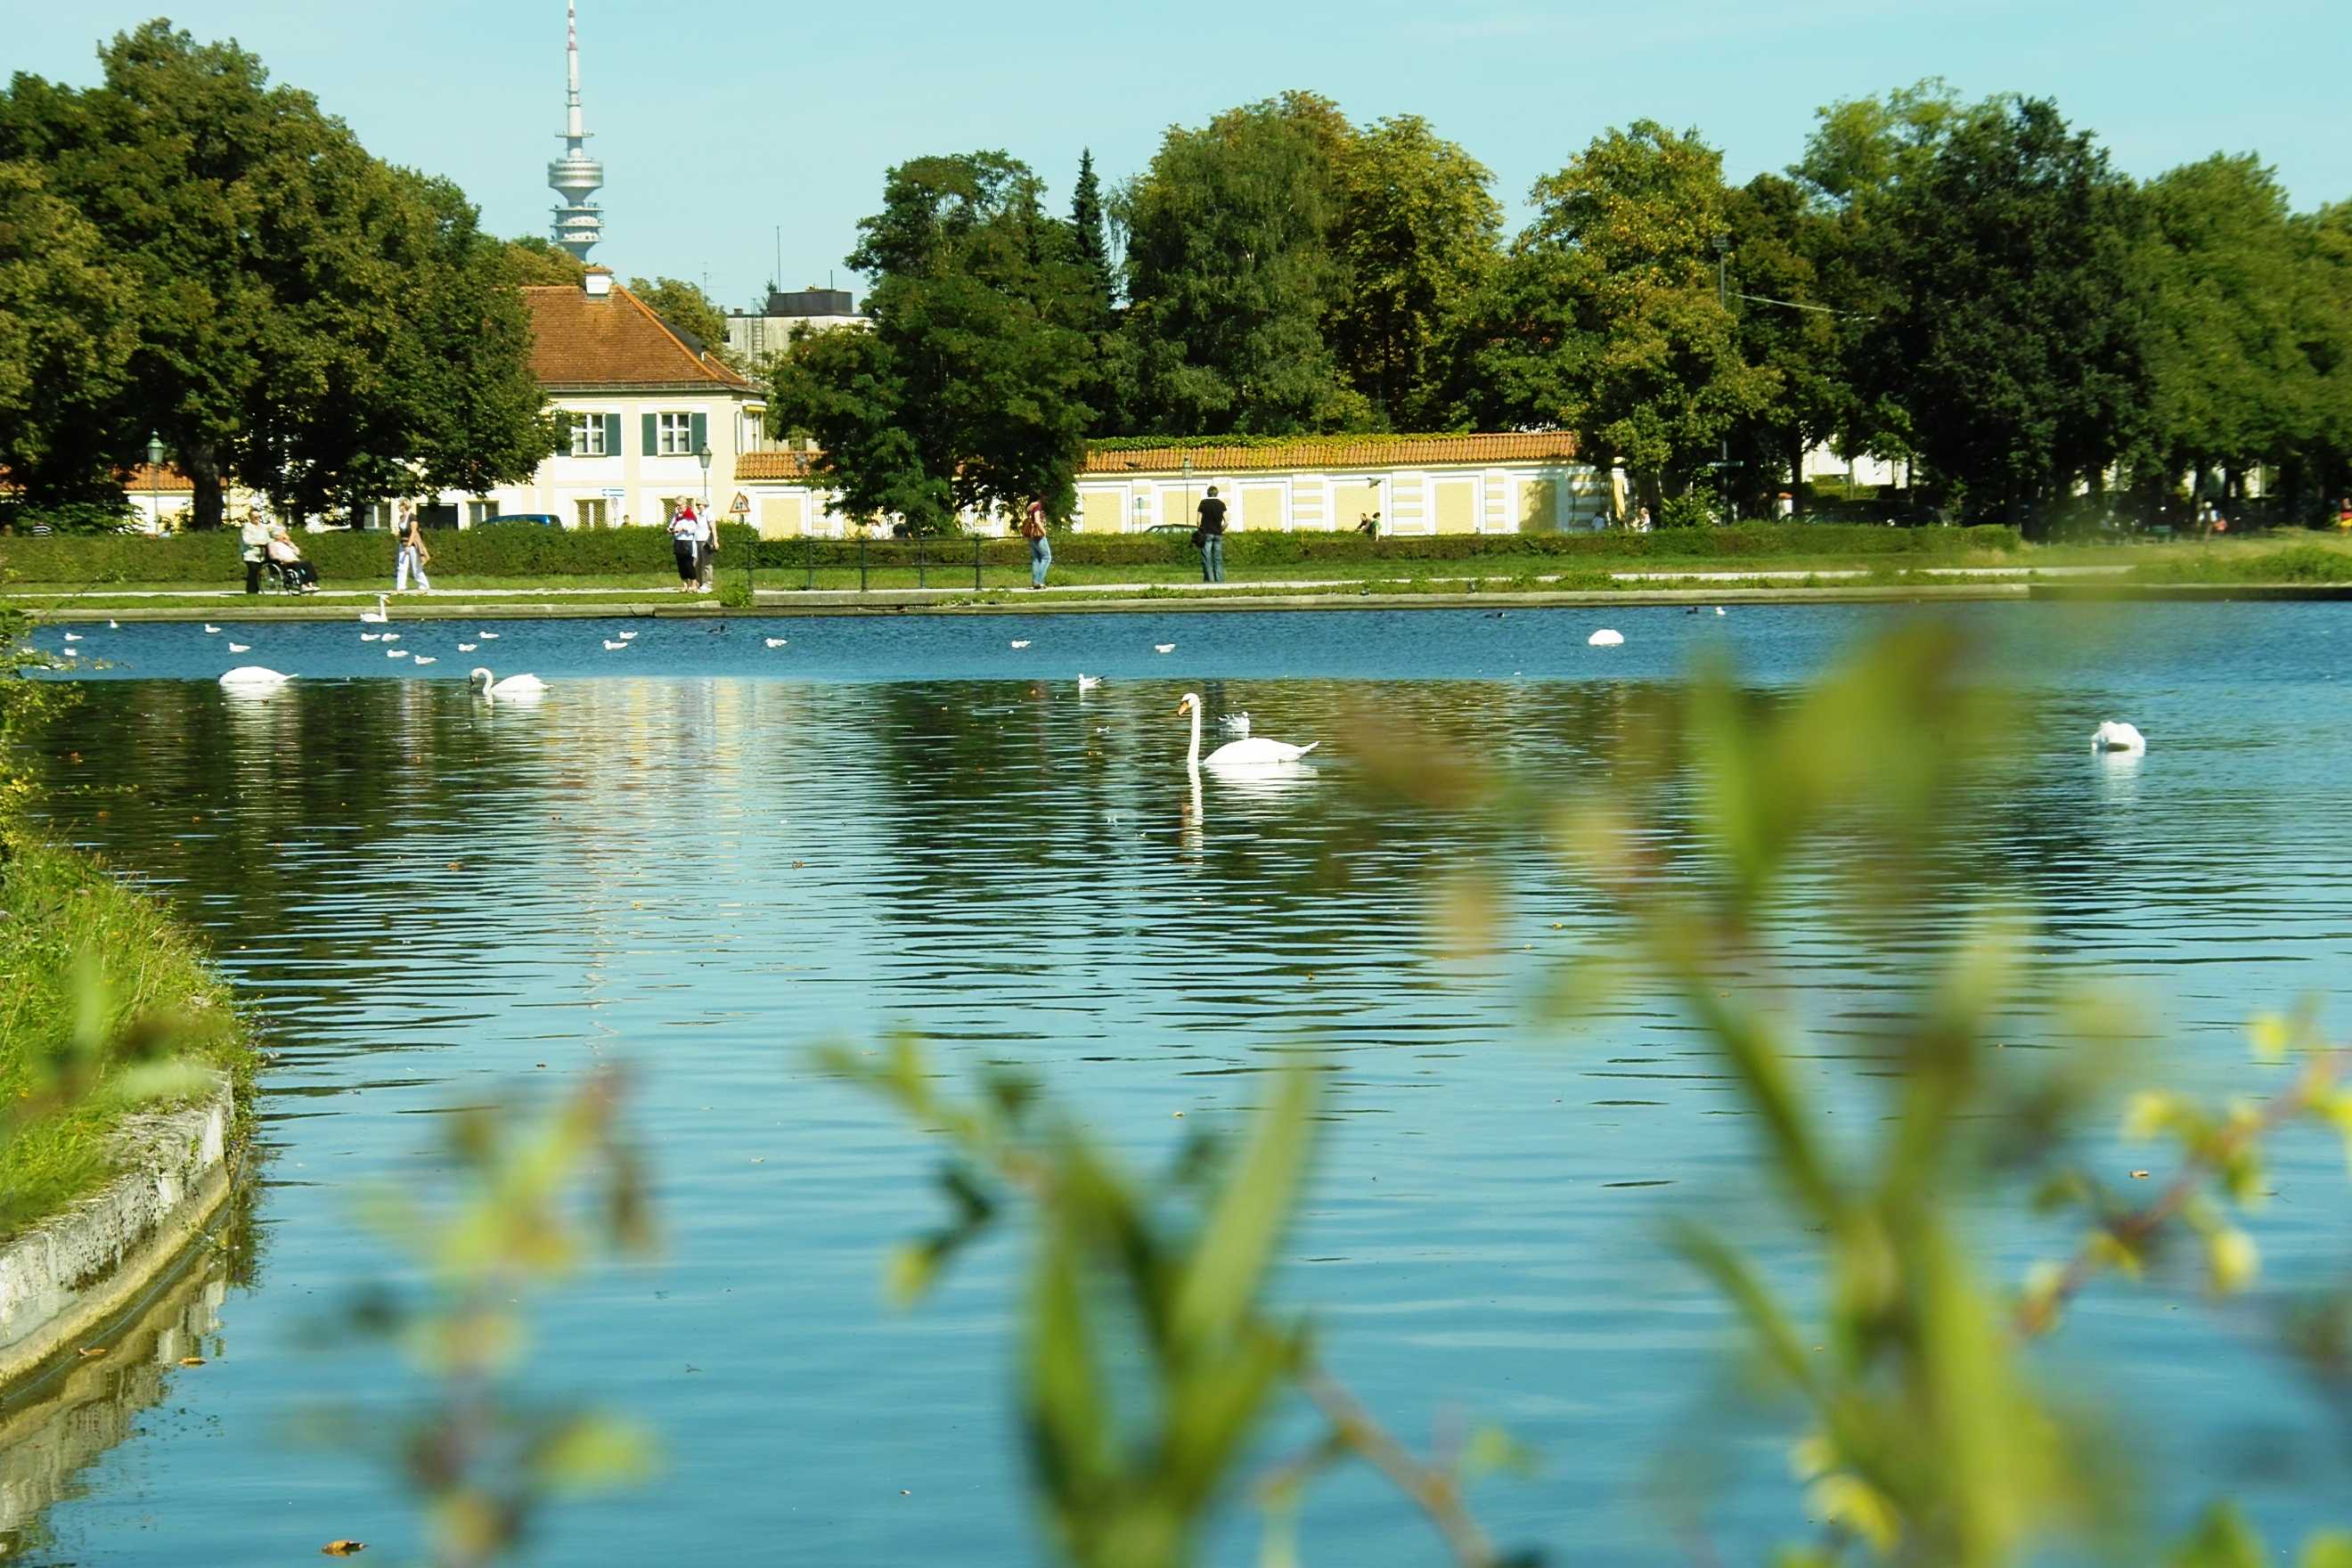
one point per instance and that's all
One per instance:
(1506, 483)
(641, 403)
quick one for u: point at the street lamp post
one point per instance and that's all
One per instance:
(1723, 298)
(1188, 485)
(155, 480)
(703, 457)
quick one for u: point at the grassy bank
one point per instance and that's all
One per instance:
(97, 982)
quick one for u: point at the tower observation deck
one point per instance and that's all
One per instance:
(575, 176)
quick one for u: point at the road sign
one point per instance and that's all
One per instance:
(742, 504)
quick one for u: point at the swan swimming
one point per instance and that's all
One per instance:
(611, 646)
(240, 647)
(467, 647)
(75, 637)
(1088, 682)
(388, 636)
(211, 630)
(513, 686)
(775, 642)
(254, 677)
(2112, 736)
(1021, 642)
(628, 636)
(371, 637)
(488, 637)
(426, 658)
(1255, 752)
(1605, 639)
(114, 626)
(381, 614)
(395, 653)
(1163, 647)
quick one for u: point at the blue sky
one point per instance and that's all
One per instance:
(719, 120)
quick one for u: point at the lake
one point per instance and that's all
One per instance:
(699, 856)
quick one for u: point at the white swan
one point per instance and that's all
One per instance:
(775, 642)
(76, 636)
(628, 636)
(467, 647)
(1088, 682)
(211, 630)
(1163, 647)
(611, 646)
(395, 653)
(240, 647)
(1235, 724)
(2112, 736)
(488, 637)
(1255, 752)
(424, 658)
(387, 637)
(254, 677)
(1605, 639)
(371, 637)
(381, 614)
(114, 626)
(1020, 642)
(513, 686)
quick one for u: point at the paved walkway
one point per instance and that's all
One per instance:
(1260, 585)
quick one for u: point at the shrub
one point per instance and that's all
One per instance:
(1685, 511)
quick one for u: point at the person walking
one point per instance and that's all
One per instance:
(255, 538)
(1041, 547)
(1211, 533)
(686, 542)
(706, 573)
(413, 553)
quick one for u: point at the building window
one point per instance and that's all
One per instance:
(588, 436)
(588, 513)
(753, 436)
(676, 433)
(376, 514)
(478, 512)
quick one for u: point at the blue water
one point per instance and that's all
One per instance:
(699, 856)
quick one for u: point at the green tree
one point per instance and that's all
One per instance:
(688, 310)
(1785, 325)
(533, 260)
(1093, 253)
(1109, 389)
(1230, 274)
(1607, 321)
(2013, 342)
(277, 269)
(2232, 379)
(1417, 234)
(66, 334)
(968, 393)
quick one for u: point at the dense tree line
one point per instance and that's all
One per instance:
(189, 251)
(1968, 286)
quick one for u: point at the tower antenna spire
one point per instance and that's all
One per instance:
(575, 176)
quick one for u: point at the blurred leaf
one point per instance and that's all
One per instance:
(594, 1452)
(2222, 1539)
(2328, 1548)
(1224, 1272)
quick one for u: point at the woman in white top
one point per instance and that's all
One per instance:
(686, 539)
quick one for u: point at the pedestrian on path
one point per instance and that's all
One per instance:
(686, 542)
(413, 553)
(1041, 548)
(1211, 537)
(255, 537)
(706, 563)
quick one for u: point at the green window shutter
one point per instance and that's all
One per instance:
(653, 442)
(612, 435)
(701, 431)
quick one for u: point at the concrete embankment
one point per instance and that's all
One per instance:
(63, 1280)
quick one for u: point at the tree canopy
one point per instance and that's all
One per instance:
(301, 316)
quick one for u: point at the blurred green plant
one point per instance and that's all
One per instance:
(486, 1457)
(1172, 1274)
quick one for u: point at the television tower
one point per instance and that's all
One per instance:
(575, 176)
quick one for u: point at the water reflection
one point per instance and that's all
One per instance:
(428, 897)
(53, 1429)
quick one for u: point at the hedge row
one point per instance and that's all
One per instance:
(524, 551)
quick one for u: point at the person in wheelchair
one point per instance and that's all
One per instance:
(297, 576)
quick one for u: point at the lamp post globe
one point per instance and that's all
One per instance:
(703, 457)
(155, 480)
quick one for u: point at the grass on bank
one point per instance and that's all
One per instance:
(95, 980)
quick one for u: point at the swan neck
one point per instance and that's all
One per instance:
(1192, 753)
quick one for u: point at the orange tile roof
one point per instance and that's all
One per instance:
(1340, 452)
(1307, 452)
(165, 480)
(579, 343)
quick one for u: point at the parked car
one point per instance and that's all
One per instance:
(543, 519)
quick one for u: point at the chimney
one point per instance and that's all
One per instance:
(599, 282)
